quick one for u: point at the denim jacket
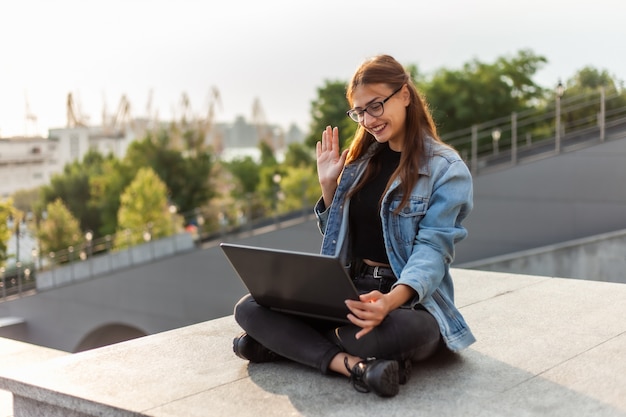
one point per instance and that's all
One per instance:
(420, 239)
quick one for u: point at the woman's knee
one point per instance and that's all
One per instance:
(243, 305)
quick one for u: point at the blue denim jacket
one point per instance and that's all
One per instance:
(420, 239)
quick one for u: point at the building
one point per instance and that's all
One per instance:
(30, 162)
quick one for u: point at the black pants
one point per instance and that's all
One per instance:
(404, 334)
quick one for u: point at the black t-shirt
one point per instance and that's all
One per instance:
(365, 223)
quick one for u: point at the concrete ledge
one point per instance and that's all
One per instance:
(547, 346)
(14, 355)
(13, 328)
(107, 263)
(597, 258)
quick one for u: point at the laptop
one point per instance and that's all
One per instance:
(306, 284)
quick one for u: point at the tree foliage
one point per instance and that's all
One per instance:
(329, 109)
(6, 210)
(106, 189)
(299, 155)
(73, 187)
(186, 174)
(246, 174)
(144, 208)
(480, 91)
(59, 230)
(300, 189)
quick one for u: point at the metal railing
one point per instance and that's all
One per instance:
(570, 123)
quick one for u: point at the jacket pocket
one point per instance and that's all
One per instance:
(405, 224)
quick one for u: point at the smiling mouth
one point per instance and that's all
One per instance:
(377, 129)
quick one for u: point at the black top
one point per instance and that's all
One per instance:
(365, 222)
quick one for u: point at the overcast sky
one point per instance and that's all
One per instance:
(279, 51)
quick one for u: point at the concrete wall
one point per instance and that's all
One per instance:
(565, 197)
(597, 258)
(108, 263)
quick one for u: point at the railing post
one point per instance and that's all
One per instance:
(18, 265)
(557, 137)
(602, 120)
(514, 138)
(474, 168)
(4, 283)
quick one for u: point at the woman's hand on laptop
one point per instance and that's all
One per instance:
(374, 306)
(369, 312)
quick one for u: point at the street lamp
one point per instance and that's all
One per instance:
(35, 255)
(173, 210)
(277, 194)
(89, 236)
(89, 239)
(18, 265)
(4, 284)
(559, 93)
(495, 135)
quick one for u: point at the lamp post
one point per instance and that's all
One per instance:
(277, 194)
(559, 93)
(602, 116)
(147, 237)
(173, 210)
(18, 265)
(4, 284)
(89, 239)
(26, 278)
(70, 253)
(35, 255)
(495, 135)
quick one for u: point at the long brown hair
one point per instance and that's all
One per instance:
(384, 69)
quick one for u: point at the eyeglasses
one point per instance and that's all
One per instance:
(375, 109)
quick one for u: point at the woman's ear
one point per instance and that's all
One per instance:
(406, 95)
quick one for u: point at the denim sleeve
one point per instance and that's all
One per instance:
(321, 213)
(439, 230)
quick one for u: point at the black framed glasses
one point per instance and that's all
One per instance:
(375, 109)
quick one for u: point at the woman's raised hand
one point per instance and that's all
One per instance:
(329, 162)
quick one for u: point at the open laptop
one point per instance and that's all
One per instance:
(300, 283)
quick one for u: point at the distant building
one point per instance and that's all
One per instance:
(241, 139)
(29, 162)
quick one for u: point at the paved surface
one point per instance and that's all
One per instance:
(13, 355)
(546, 347)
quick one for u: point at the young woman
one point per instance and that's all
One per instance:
(391, 208)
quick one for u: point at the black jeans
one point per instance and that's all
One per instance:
(404, 334)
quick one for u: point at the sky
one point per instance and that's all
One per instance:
(276, 51)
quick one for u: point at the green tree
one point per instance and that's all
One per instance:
(6, 210)
(72, 186)
(329, 109)
(59, 230)
(27, 200)
(106, 189)
(591, 79)
(245, 177)
(300, 188)
(268, 159)
(246, 173)
(481, 92)
(144, 208)
(299, 155)
(270, 187)
(186, 174)
(580, 103)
